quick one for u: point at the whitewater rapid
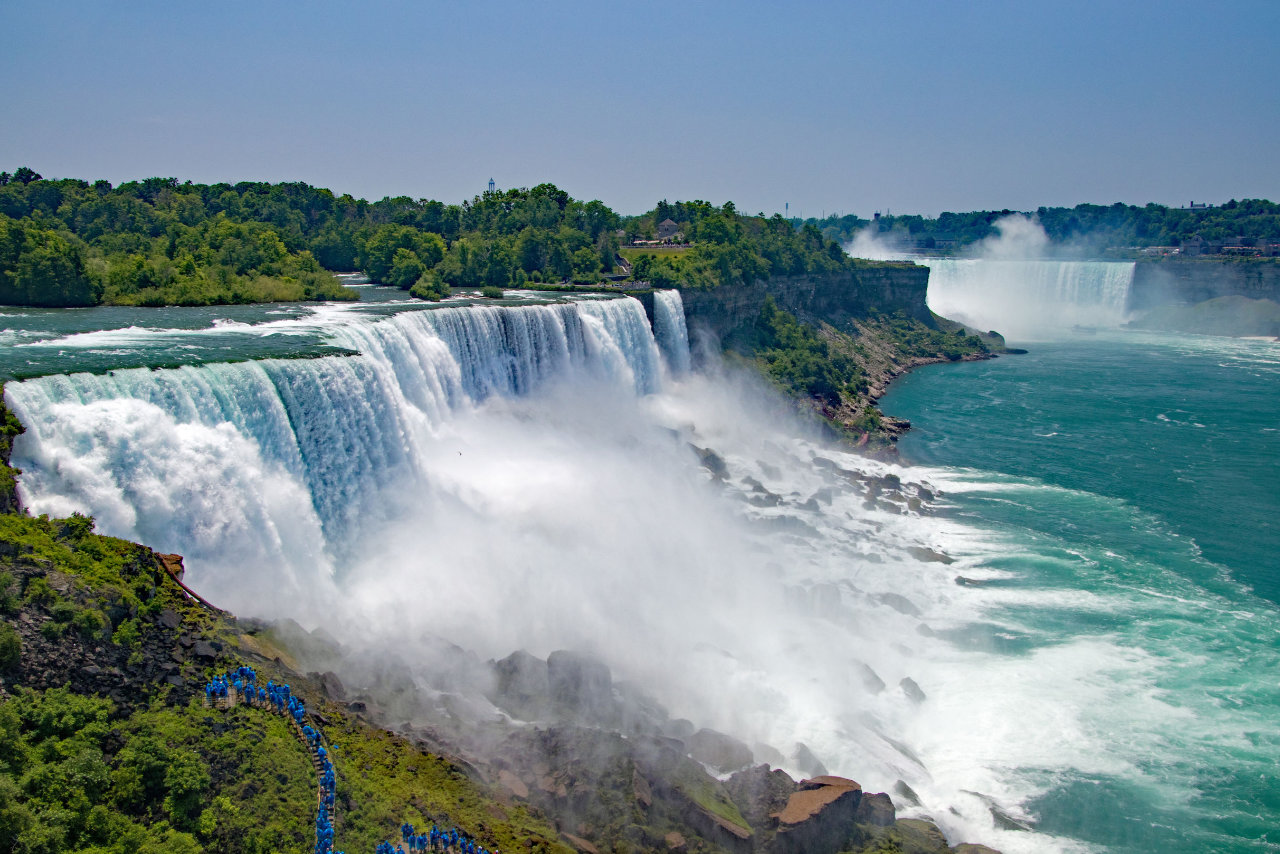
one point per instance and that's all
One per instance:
(531, 476)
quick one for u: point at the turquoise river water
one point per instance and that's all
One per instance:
(1131, 483)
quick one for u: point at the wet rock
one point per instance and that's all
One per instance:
(332, 687)
(917, 834)
(675, 841)
(581, 686)
(1002, 818)
(522, 685)
(769, 499)
(807, 762)
(929, 555)
(680, 728)
(899, 603)
(169, 618)
(717, 750)
(912, 690)
(1009, 822)
(712, 462)
(870, 679)
(204, 650)
(973, 848)
(876, 809)
(760, 793)
(768, 754)
(906, 794)
(969, 582)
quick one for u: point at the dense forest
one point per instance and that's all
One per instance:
(1091, 228)
(163, 242)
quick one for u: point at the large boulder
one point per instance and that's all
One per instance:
(876, 809)
(723, 753)
(522, 687)
(807, 762)
(760, 793)
(581, 687)
(821, 817)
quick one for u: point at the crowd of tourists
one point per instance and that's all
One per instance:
(226, 690)
(436, 839)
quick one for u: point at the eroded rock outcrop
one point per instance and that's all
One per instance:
(820, 817)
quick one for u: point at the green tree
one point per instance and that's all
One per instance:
(406, 269)
(49, 271)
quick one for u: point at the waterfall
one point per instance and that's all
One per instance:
(670, 330)
(284, 462)
(1024, 299)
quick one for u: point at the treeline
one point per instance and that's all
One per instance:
(1091, 227)
(159, 241)
(154, 242)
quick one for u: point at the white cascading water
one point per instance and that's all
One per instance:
(670, 330)
(1025, 299)
(527, 477)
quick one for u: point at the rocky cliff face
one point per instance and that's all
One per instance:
(832, 297)
(1188, 281)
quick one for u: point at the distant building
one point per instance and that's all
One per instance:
(667, 229)
(1197, 245)
(492, 186)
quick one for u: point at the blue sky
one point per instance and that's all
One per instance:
(846, 107)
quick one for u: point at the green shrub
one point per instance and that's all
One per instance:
(492, 292)
(10, 647)
(127, 634)
(63, 611)
(430, 287)
(9, 600)
(40, 593)
(91, 623)
(76, 527)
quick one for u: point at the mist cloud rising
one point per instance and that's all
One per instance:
(1014, 286)
(871, 244)
(1020, 238)
(770, 595)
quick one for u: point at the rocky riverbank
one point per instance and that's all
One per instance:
(873, 324)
